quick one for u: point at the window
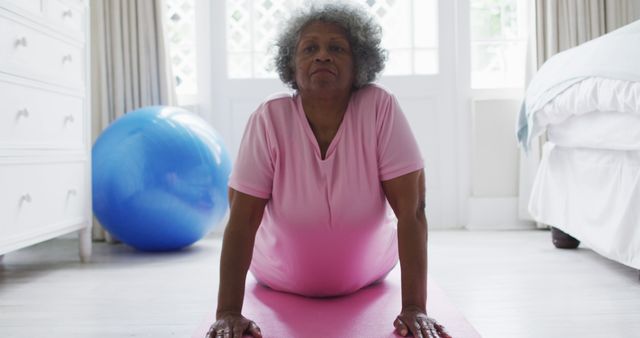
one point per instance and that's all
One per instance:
(181, 35)
(498, 43)
(409, 34)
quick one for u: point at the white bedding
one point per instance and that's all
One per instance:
(583, 109)
(593, 195)
(598, 130)
(614, 55)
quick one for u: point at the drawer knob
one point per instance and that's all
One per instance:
(67, 58)
(67, 14)
(21, 42)
(25, 198)
(72, 192)
(69, 118)
(23, 112)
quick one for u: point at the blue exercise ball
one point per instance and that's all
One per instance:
(159, 178)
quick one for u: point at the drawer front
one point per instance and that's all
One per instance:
(65, 16)
(40, 195)
(28, 52)
(36, 118)
(31, 6)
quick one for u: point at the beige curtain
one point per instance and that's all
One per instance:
(129, 63)
(560, 25)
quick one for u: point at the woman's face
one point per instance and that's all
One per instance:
(323, 59)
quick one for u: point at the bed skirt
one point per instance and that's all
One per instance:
(593, 195)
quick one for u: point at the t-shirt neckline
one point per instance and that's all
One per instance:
(312, 138)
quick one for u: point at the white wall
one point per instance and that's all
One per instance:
(494, 163)
(493, 201)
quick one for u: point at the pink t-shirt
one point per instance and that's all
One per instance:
(327, 228)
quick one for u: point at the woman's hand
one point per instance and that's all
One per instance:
(415, 321)
(233, 325)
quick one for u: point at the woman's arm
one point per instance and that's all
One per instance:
(406, 195)
(237, 249)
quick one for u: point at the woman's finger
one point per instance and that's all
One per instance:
(226, 332)
(238, 332)
(217, 332)
(440, 329)
(212, 332)
(255, 330)
(429, 329)
(417, 330)
(401, 328)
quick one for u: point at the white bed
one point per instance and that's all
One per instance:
(588, 180)
(587, 101)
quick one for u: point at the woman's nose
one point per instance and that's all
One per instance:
(323, 55)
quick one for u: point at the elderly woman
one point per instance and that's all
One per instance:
(309, 190)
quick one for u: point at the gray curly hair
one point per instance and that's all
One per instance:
(363, 32)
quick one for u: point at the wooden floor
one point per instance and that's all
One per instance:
(508, 284)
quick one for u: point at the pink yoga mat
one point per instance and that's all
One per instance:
(368, 313)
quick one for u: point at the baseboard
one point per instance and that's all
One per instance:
(496, 213)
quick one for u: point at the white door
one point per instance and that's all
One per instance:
(427, 100)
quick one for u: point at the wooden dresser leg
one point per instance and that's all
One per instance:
(85, 244)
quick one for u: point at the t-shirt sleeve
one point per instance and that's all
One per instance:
(252, 173)
(398, 152)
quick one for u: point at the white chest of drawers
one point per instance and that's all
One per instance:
(45, 123)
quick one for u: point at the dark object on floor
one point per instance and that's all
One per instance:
(563, 240)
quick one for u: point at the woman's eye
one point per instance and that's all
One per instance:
(309, 49)
(336, 48)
